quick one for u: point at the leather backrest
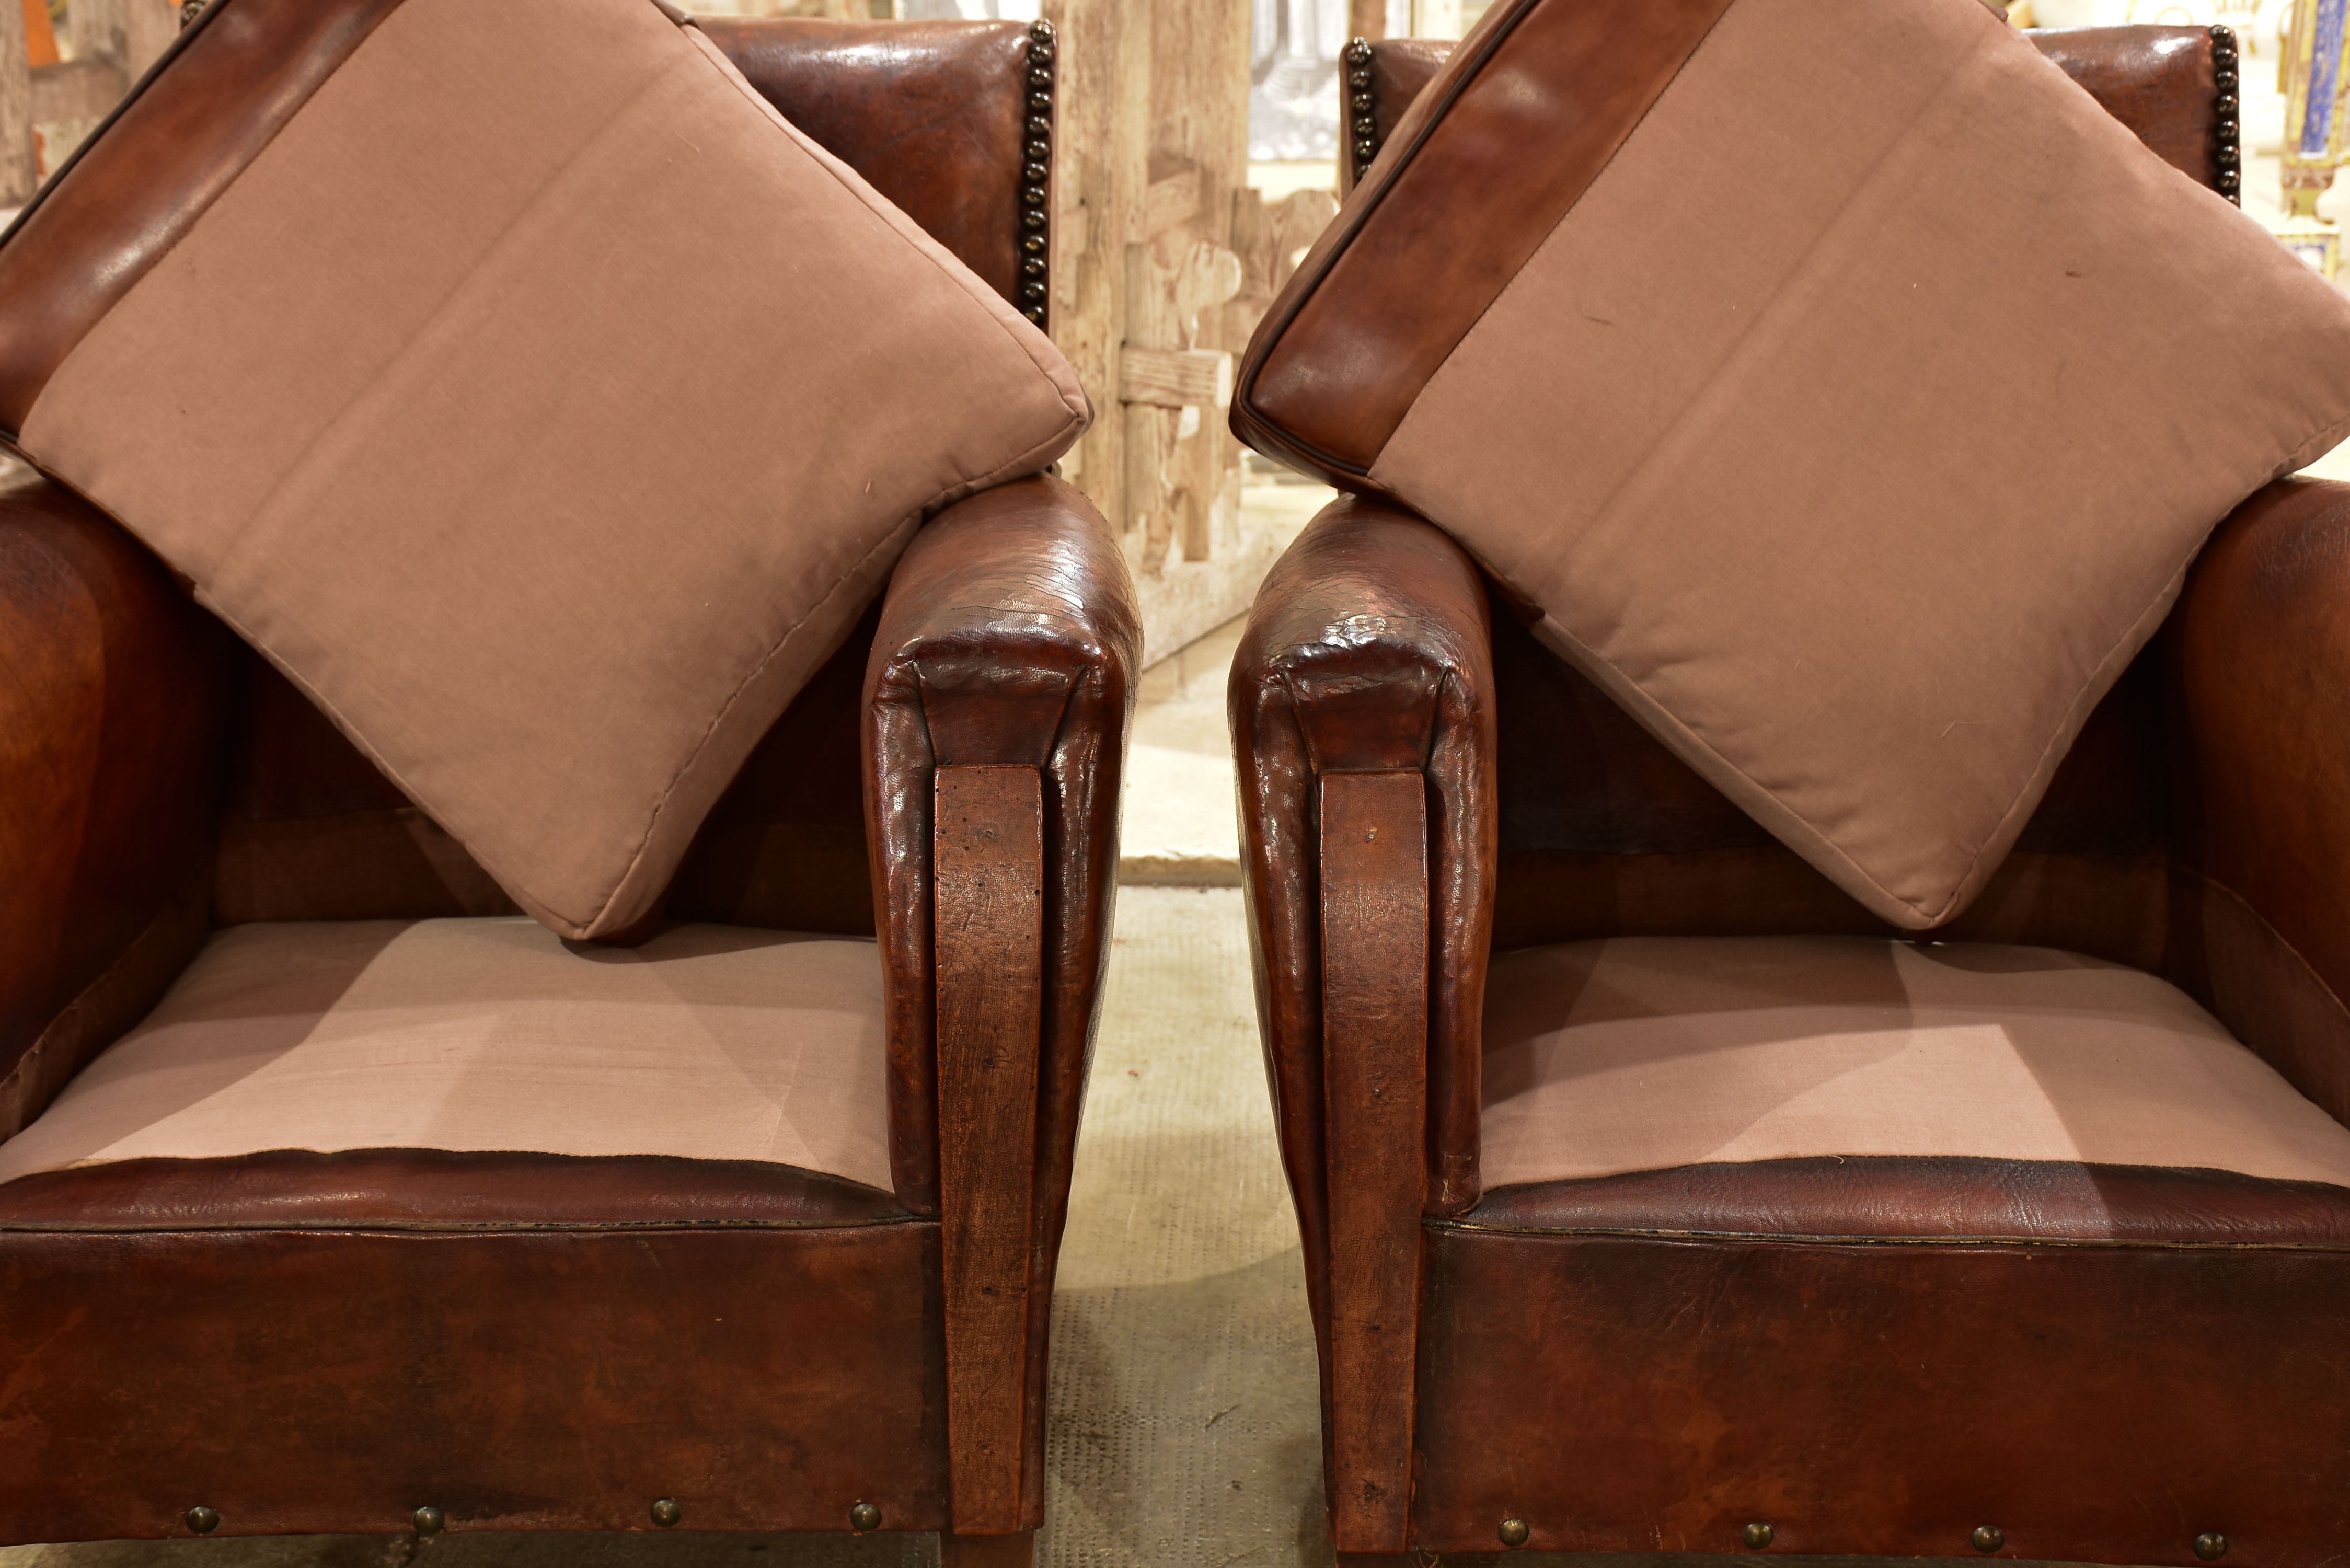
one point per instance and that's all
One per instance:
(2175, 87)
(951, 120)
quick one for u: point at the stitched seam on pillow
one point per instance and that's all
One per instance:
(1014, 467)
(993, 306)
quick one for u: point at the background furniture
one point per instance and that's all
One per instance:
(411, 1337)
(2029, 1357)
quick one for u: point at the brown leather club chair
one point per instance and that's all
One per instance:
(412, 1337)
(2014, 1354)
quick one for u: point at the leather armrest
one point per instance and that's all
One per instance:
(112, 703)
(2258, 661)
(1010, 636)
(1369, 650)
(997, 699)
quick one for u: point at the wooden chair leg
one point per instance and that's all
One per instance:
(988, 905)
(1375, 955)
(1015, 1551)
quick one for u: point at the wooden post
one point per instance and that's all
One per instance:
(1100, 166)
(1374, 954)
(1154, 160)
(19, 165)
(988, 926)
(96, 28)
(148, 28)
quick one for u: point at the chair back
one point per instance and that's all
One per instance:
(1603, 831)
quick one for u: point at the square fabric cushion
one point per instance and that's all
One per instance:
(524, 387)
(1847, 389)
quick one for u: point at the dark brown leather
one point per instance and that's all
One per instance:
(1368, 650)
(2256, 652)
(1858, 1198)
(1010, 636)
(1495, 149)
(227, 85)
(2159, 81)
(544, 1378)
(931, 113)
(112, 693)
(2104, 1404)
(435, 1189)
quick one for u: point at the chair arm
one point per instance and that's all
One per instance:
(2258, 661)
(997, 699)
(112, 700)
(1362, 727)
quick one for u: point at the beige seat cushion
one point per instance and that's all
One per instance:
(706, 1043)
(1645, 1053)
(1855, 426)
(548, 410)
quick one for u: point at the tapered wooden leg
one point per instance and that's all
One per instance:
(1375, 947)
(988, 861)
(1015, 1551)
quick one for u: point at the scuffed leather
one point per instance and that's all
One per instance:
(542, 1377)
(1369, 650)
(434, 1188)
(2157, 80)
(2096, 1403)
(2257, 654)
(1482, 169)
(931, 113)
(225, 88)
(112, 699)
(1860, 1198)
(1010, 634)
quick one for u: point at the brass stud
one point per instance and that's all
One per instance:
(204, 1520)
(1514, 1532)
(666, 1514)
(2210, 1546)
(430, 1521)
(1987, 1538)
(865, 1516)
(1758, 1535)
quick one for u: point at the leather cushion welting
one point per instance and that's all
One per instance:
(1861, 494)
(1652, 1054)
(492, 1037)
(548, 410)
